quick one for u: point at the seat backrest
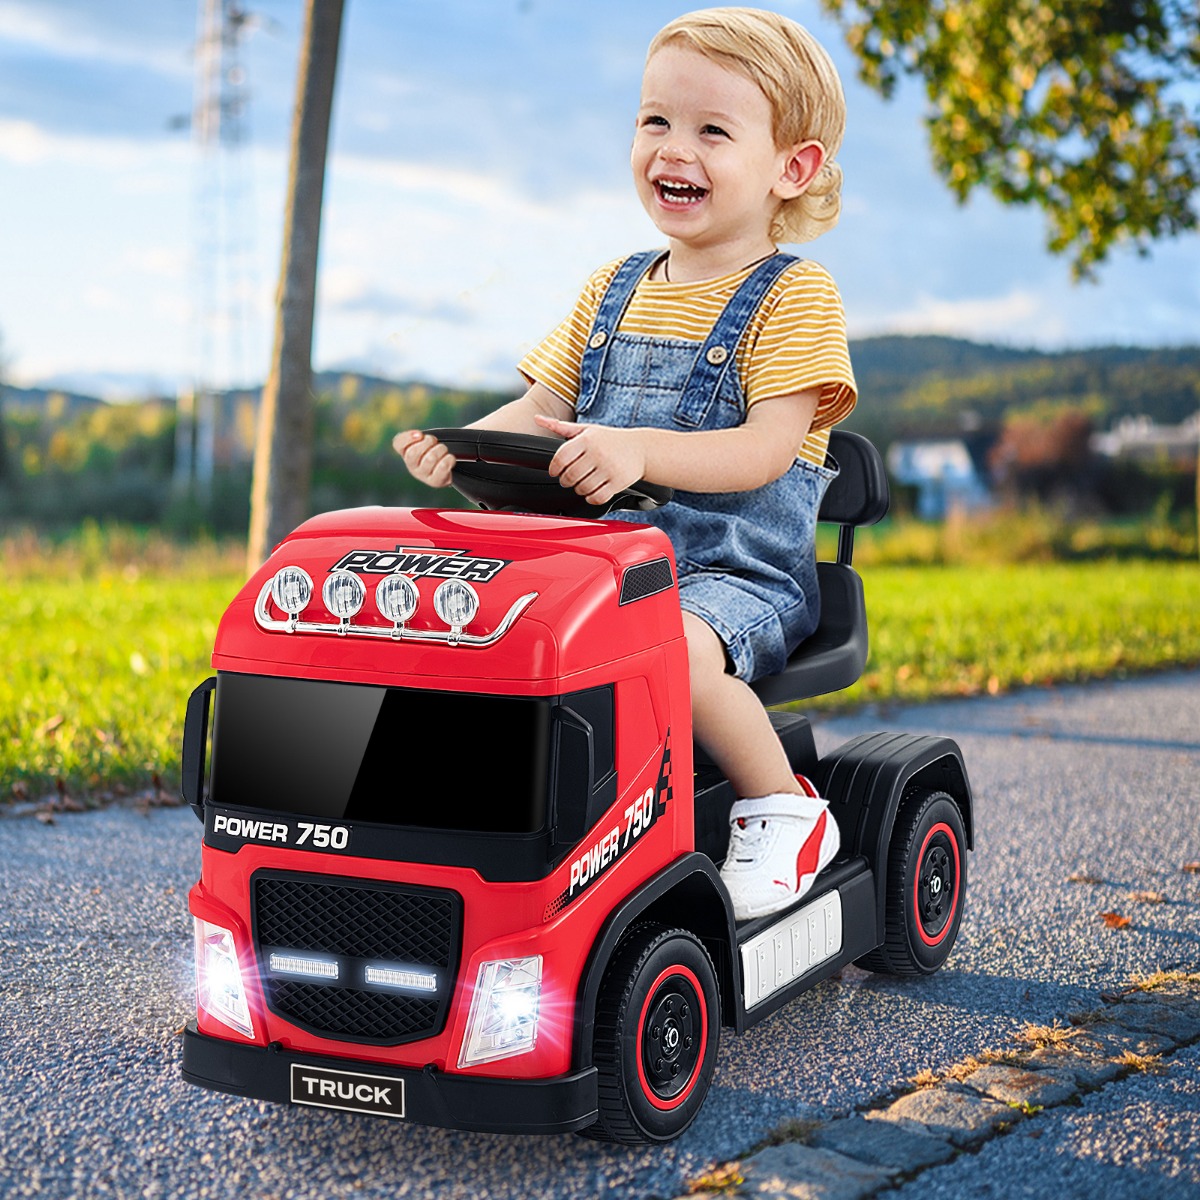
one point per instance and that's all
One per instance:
(859, 495)
(834, 656)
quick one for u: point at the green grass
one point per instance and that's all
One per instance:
(962, 630)
(102, 641)
(105, 636)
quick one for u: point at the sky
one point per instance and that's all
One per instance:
(478, 172)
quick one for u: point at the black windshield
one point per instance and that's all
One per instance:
(343, 751)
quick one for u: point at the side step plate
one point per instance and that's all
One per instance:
(793, 946)
(784, 954)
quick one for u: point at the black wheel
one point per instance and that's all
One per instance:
(926, 887)
(658, 1023)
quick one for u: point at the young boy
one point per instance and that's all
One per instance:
(717, 368)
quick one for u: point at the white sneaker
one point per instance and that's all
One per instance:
(778, 845)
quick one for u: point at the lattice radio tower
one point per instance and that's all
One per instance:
(222, 266)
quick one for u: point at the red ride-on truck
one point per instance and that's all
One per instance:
(460, 859)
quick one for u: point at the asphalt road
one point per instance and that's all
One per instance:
(1100, 781)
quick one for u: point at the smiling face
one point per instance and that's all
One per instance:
(704, 158)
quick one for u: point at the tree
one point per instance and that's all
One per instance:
(1044, 455)
(284, 447)
(1085, 108)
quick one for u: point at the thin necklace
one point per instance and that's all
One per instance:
(667, 264)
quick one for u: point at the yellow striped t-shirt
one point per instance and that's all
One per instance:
(795, 341)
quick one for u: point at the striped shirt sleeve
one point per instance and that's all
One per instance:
(802, 344)
(555, 362)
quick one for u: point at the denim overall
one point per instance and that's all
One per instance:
(745, 561)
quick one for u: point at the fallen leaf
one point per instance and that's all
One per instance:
(50, 727)
(1115, 920)
(1147, 897)
(1192, 868)
(1083, 877)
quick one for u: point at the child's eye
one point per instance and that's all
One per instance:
(713, 131)
(655, 120)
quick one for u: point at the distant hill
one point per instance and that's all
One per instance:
(908, 386)
(895, 356)
(936, 385)
(54, 403)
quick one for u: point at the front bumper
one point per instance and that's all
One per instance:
(424, 1096)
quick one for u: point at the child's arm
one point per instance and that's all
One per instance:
(599, 460)
(430, 462)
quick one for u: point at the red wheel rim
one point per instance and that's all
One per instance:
(935, 886)
(672, 1037)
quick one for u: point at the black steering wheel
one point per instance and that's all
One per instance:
(509, 472)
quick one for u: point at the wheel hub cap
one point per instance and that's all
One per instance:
(670, 1042)
(935, 888)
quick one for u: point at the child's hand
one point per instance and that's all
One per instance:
(597, 461)
(425, 457)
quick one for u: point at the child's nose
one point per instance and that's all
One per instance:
(675, 151)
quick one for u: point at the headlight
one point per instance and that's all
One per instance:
(504, 1010)
(219, 987)
(343, 593)
(292, 589)
(456, 603)
(397, 598)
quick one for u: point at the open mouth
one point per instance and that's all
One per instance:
(678, 194)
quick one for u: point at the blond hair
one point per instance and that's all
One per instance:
(798, 78)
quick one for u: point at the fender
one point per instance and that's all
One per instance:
(688, 893)
(866, 780)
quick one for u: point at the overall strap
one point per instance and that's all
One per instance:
(719, 350)
(608, 317)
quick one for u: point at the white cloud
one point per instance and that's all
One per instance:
(161, 262)
(987, 318)
(59, 35)
(24, 143)
(101, 299)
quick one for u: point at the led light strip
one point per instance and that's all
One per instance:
(308, 968)
(448, 637)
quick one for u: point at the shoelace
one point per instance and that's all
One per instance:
(744, 839)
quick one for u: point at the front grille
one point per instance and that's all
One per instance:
(357, 924)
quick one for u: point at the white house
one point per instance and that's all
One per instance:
(943, 473)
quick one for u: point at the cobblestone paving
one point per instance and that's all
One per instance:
(935, 1120)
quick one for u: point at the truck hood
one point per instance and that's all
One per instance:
(584, 593)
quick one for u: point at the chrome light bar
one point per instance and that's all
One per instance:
(397, 632)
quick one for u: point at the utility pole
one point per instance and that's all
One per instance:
(284, 447)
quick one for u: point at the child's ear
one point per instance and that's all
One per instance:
(800, 168)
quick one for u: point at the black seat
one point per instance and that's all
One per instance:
(834, 656)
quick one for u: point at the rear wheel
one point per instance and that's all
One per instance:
(657, 1028)
(926, 887)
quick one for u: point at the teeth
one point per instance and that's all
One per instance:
(681, 193)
